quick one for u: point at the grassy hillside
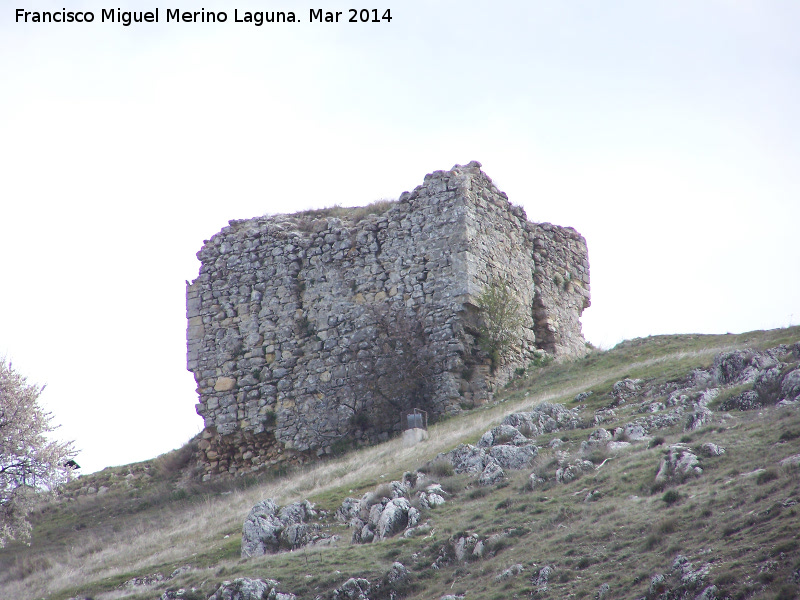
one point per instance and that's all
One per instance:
(738, 520)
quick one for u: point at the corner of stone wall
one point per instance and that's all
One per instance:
(562, 286)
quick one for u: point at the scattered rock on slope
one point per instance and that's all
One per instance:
(790, 387)
(503, 434)
(491, 474)
(508, 446)
(269, 528)
(571, 472)
(466, 458)
(398, 574)
(682, 582)
(353, 589)
(510, 572)
(710, 449)
(386, 511)
(541, 579)
(678, 463)
(543, 418)
(624, 390)
(490, 461)
(747, 400)
(513, 457)
(245, 588)
(738, 367)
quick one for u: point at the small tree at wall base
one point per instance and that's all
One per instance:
(501, 320)
(30, 464)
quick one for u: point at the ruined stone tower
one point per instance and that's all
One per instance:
(320, 328)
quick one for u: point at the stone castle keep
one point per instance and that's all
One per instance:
(311, 330)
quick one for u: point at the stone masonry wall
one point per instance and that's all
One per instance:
(561, 279)
(309, 329)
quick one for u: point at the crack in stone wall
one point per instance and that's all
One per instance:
(285, 336)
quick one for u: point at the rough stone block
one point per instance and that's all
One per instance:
(225, 384)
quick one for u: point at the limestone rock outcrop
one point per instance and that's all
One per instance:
(500, 448)
(677, 464)
(245, 588)
(269, 528)
(683, 581)
(387, 511)
(353, 589)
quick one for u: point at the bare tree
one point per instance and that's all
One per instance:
(389, 372)
(399, 374)
(30, 464)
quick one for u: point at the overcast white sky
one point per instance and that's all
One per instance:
(667, 133)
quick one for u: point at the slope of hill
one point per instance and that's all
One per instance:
(585, 519)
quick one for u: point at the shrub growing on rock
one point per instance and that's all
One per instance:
(502, 320)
